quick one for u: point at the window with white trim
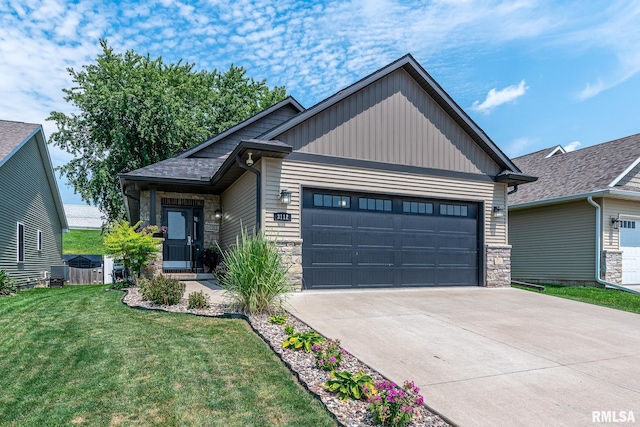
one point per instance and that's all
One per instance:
(20, 242)
(627, 224)
(39, 240)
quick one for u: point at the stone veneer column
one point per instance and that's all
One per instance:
(291, 252)
(498, 266)
(611, 267)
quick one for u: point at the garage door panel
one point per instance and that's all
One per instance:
(630, 247)
(358, 247)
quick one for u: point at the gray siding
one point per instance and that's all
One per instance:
(25, 196)
(554, 243)
(294, 175)
(226, 145)
(393, 120)
(632, 178)
(615, 208)
(238, 209)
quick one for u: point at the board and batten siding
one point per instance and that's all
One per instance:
(222, 148)
(554, 242)
(393, 120)
(26, 197)
(615, 208)
(238, 208)
(296, 175)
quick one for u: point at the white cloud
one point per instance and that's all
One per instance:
(496, 98)
(572, 146)
(520, 146)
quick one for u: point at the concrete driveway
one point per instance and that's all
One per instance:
(491, 357)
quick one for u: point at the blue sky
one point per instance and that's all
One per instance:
(531, 73)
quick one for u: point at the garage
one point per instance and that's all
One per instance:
(361, 240)
(630, 247)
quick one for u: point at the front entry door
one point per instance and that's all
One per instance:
(183, 243)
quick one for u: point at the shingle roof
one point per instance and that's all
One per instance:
(83, 216)
(194, 169)
(577, 172)
(12, 134)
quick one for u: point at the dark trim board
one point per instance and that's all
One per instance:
(369, 164)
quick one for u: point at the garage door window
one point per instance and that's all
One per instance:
(368, 204)
(627, 224)
(454, 210)
(331, 201)
(417, 208)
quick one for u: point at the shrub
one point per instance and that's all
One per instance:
(289, 330)
(393, 405)
(122, 284)
(135, 247)
(209, 258)
(161, 290)
(277, 320)
(255, 277)
(348, 385)
(7, 284)
(328, 356)
(303, 340)
(198, 300)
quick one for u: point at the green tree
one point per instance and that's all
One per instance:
(134, 247)
(133, 111)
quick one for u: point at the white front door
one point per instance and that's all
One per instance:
(630, 247)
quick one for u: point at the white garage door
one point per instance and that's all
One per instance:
(630, 247)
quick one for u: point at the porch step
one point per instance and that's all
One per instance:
(183, 277)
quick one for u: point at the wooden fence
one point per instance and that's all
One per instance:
(85, 276)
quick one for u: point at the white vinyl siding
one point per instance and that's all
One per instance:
(555, 242)
(238, 209)
(295, 175)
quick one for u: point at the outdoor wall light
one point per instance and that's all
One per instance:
(217, 214)
(498, 212)
(615, 222)
(285, 196)
(250, 160)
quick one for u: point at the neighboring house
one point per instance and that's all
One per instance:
(83, 217)
(82, 261)
(387, 183)
(580, 221)
(31, 214)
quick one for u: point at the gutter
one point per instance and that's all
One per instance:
(620, 194)
(598, 279)
(258, 191)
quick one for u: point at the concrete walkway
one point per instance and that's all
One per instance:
(490, 357)
(215, 292)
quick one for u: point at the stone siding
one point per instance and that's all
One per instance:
(498, 266)
(611, 267)
(291, 253)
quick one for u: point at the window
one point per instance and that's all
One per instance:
(423, 208)
(627, 224)
(454, 210)
(331, 201)
(39, 240)
(20, 242)
(367, 204)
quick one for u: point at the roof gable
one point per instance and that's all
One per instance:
(14, 136)
(409, 65)
(247, 129)
(590, 169)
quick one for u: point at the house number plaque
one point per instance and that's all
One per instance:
(211, 226)
(281, 216)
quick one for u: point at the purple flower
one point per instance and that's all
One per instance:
(420, 400)
(332, 359)
(316, 347)
(343, 351)
(320, 362)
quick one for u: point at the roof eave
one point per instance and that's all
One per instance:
(513, 178)
(51, 176)
(618, 194)
(624, 173)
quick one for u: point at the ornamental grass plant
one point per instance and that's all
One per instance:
(254, 275)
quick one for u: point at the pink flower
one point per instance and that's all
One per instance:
(320, 362)
(332, 359)
(316, 347)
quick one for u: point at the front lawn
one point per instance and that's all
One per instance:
(78, 356)
(606, 297)
(88, 242)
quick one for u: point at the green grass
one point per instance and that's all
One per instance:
(82, 242)
(606, 297)
(77, 355)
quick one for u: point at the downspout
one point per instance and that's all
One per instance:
(598, 279)
(515, 189)
(258, 193)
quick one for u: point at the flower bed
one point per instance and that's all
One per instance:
(349, 413)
